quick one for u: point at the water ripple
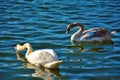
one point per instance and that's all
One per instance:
(43, 23)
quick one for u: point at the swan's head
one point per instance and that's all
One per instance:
(72, 25)
(18, 47)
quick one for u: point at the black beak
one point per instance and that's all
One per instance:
(67, 30)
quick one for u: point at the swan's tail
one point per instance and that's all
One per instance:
(54, 64)
(113, 32)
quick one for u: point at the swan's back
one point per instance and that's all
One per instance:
(42, 56)
(96, 34)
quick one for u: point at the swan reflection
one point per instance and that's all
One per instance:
(91, 47)
(40, 72)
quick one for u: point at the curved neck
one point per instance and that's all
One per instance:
(77, 34)
(29, 49)
(81, 28)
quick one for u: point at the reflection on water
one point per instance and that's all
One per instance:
(40, 72)
(43, 23)
(91, 60)
(92, 47)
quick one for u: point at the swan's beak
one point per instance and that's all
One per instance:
(67, 31)
(16, 49)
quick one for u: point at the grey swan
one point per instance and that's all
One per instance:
(90, 35)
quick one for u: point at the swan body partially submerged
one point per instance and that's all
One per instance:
(91, 35)
(44, 57)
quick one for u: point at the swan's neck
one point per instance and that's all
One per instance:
(76, 36)
(29, 49)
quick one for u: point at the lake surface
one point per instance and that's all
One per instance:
(43, 23)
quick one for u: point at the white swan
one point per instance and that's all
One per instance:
(45, 57)
(91, 35)
(40, 72)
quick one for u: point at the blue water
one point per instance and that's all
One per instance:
(43, 23)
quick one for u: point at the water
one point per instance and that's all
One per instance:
(43, 22)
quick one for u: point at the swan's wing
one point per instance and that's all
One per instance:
(95, 34)
(40, 57)
(51, 51)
